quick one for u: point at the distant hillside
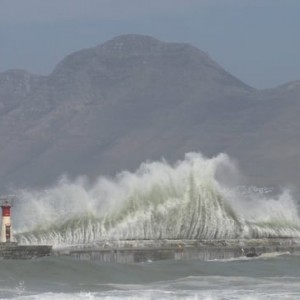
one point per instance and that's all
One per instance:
(134, 98)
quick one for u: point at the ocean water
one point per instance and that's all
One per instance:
(196, 198)
(268, 277)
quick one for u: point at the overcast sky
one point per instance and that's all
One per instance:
(258, 41)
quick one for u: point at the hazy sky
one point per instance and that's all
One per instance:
(256, 40)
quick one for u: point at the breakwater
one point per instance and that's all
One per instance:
(14, 251)
(130, 251)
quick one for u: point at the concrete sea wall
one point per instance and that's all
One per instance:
(14, 251)
(131, 251)
(151, 250)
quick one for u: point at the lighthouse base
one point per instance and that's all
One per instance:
(14, 251)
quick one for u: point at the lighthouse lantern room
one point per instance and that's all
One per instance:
(6, 228)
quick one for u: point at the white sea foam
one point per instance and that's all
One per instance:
(192, 199)
(217, 294)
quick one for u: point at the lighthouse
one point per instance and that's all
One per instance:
(6, 228)
(10, 249)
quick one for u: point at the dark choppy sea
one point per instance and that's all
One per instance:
(267, 277)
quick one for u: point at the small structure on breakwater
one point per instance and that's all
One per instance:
(10, 249)
(6, 230)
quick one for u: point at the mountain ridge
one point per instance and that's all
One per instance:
(111, 107)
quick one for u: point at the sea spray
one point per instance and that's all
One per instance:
(187, 200)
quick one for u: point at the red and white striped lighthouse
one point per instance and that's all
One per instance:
(6, 229)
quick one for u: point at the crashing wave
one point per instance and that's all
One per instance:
(192, 199)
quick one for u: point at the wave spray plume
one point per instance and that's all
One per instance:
(187, 200)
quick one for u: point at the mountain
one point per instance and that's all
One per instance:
(135, 98)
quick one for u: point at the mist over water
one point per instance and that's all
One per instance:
(196, 198)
